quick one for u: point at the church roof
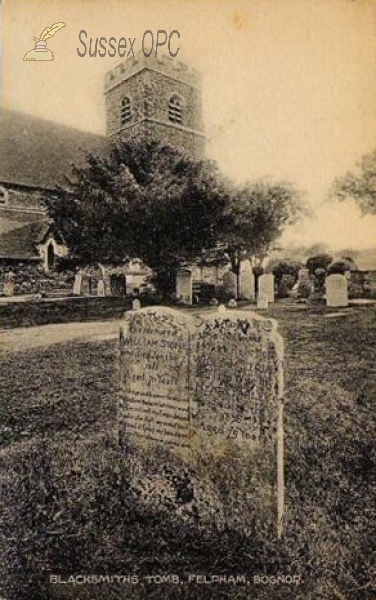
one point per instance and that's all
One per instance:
(39, 153)
(21, 243)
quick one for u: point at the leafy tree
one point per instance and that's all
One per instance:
(320, 261)
(144, 200)
(361, 185)
(338, 266)
(154, 202)
(257, 214)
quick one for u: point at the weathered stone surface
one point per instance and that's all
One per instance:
(155, 377)
(266, 286)
(184, 291)
(230, 284)
(237, 360)
(336, 289)
(218, 375)
(247, 281)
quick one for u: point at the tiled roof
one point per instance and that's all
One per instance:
(40, 153)
(21, 243)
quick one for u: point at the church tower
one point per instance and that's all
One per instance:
(155, 99)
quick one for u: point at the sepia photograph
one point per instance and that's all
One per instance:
(187, 299)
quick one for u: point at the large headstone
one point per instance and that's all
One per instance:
(184, 291)
(336, 290)
(182, 375)
(247, 281)
(214, 379)
(230, 284)
(266, 286)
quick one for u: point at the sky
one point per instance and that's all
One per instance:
(288, 86)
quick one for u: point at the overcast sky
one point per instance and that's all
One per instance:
(289, 86)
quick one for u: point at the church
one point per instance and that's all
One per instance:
(147, 98)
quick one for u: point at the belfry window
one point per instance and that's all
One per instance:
(174, 110)
(125, 110)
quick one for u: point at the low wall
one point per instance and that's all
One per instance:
(44, 312)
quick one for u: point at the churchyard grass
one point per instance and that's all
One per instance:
(59, 418)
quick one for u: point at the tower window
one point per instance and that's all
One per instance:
(174, 110)
(125, 110)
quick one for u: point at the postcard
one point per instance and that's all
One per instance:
(187, 299)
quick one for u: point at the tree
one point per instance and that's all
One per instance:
(257, 214)
(285, 274)
(320, 261)
(144, 200)
(361, 185)
(154, 202)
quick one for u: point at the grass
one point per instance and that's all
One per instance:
(64, 398)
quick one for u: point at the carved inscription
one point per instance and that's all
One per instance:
(155, 373)
(237, 379)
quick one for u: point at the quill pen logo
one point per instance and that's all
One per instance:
(40, 51)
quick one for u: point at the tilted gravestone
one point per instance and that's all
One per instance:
(186, 378)
(336, 290)
(184, 374)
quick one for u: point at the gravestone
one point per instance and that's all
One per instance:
(336, 290)
(230, 284)
(101, 290)
(184, 292)
(9, 284)
(77, 284)
(303, 275)
(266, 286)
(262, 302)
(224, 360)
(215, 378)
(136, 304)
(247, 281)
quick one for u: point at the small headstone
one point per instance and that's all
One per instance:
(303, 275)
(77, 284)
(232, 303)
(262, 302)
(213, 302)
(336, 290)
(136, 304)
(247, 281)
(266, 286)
(230, 284)
(9, 284)
(184, 286)
(101, 288)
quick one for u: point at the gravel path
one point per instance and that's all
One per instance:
(23, 338)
